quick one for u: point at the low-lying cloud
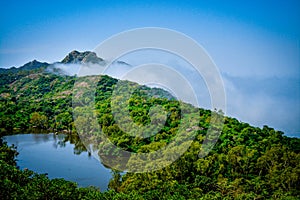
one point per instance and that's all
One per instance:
(64, 69)
(271, 101)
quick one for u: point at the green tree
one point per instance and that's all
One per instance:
(39, 120)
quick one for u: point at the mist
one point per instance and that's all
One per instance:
(271, 101)
(64, 69)
(115, 69)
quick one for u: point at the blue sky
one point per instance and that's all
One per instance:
(255, 44)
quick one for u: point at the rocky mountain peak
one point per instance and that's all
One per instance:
(82, 57)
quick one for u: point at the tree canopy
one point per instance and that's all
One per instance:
(245, 163)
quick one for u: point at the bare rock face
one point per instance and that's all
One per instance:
(82, 57)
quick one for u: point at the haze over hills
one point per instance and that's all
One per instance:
(74, 57)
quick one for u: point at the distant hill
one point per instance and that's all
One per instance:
(28, 66)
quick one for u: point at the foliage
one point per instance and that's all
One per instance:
(246, 163)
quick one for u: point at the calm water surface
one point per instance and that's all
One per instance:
(55, 155)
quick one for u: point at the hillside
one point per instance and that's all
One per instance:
(246, 162)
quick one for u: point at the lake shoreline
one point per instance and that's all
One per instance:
(59, 156)
(16, 131)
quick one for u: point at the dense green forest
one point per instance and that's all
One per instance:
(246, 162)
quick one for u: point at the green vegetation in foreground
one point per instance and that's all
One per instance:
(246, 163)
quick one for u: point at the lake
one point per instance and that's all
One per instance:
(61, 156)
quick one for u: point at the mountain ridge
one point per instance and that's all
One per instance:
(73, 57)
(34, 64)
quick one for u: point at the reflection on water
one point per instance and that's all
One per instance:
(61, 156)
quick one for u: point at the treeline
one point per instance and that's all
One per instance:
(35, 99)
(246, 162)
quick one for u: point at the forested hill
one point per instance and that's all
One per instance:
(246, 162)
